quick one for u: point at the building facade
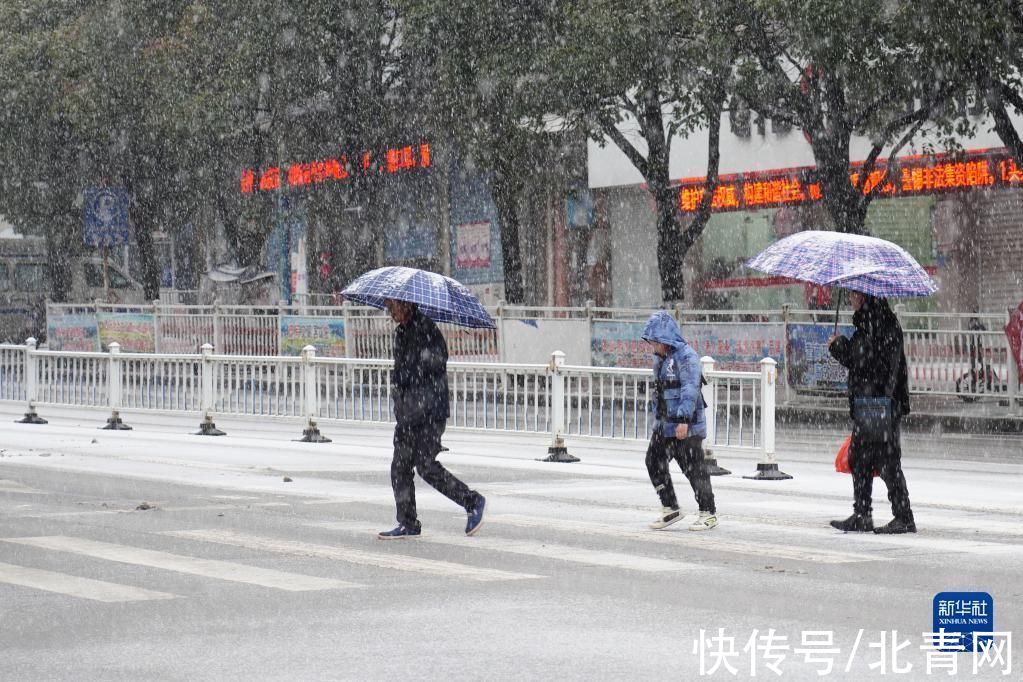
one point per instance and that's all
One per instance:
(960, 215)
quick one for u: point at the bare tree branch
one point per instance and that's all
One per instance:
(610, 128)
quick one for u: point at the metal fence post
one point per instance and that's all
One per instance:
(500, 331)
(347, 322)
(767, 468)
(557, 452)
(785, 349)
(310, 398)
(156, 326)
(31, 384)
(708, 392)
(114, 376)
(206, 426)
(218, 328)
(1013, 386)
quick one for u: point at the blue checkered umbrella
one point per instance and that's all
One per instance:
(441, 298)
(850, 261)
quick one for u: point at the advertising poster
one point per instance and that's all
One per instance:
(72, 332)
(325, 334)
(619, 344)
(134, 331)
(737, 347)
(472, 242)
(810, 365)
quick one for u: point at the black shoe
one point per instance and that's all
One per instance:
(401, 532)
(896, 527)
(857, 523)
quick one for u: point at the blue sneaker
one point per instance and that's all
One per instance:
(400, 533)
(476, 517)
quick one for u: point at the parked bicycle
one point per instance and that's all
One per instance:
(980, 379)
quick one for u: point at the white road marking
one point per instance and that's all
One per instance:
(83, 588)
(155, 507)
(8, 486)
(568, 553)
(686, 538)
(383, 559)
(208, 568)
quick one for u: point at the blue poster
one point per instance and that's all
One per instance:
(276, 250)
(810, 365)
(105, 216)
(472, 208)
(619, 344)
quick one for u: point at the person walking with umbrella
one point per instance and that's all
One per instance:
(876, 362)
(873, 270)
(419, 384)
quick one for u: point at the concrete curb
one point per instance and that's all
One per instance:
(917, 421)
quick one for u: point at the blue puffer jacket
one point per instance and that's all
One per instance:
(680, 374)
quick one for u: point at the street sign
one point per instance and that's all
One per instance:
(105, 216)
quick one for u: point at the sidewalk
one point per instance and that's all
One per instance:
(936, 414)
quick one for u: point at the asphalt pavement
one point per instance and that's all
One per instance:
(157, 554)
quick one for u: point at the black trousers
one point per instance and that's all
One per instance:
(415, 450)
(885, 458)
(689, 455)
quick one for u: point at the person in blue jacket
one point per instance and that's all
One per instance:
(680, 426)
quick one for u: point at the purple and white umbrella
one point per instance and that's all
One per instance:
(849, 261)
(440, 298)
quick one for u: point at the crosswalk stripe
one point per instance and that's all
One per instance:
(83, 588)
(685, 538)
(353, 556)
(208, 568)
(536, 549)
(8, 486)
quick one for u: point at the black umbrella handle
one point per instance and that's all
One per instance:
(838, 307)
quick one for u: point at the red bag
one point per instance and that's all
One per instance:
(842, 458)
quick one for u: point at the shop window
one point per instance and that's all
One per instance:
(94, 277)
(31, 277)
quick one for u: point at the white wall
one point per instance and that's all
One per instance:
(533, 341)
(635, 282)
(609, 167)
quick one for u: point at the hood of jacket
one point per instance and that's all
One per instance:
(661, 327)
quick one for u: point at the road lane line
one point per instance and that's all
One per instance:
(73, 586)
(567, 553)
(9, 486)
(381, 559)
(687, 539)
(207, 568)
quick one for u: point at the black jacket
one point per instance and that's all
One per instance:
(874, 355)
(419, 381)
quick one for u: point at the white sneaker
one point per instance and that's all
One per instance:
(706, 521)
(668, 516)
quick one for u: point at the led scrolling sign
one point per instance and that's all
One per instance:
(395, 160)
(793, 187)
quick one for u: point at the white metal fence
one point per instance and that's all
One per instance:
(947, 354)
(555, 399)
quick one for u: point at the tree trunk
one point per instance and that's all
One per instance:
(507, 190)
(846, 204)
(670, 252)
(61, 249)
(143, 221)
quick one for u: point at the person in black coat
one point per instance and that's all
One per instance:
(419, 388)
(876, 362)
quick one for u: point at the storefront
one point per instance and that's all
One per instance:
(960, 216)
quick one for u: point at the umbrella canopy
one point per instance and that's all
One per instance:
(441, 298)
(851, 261)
